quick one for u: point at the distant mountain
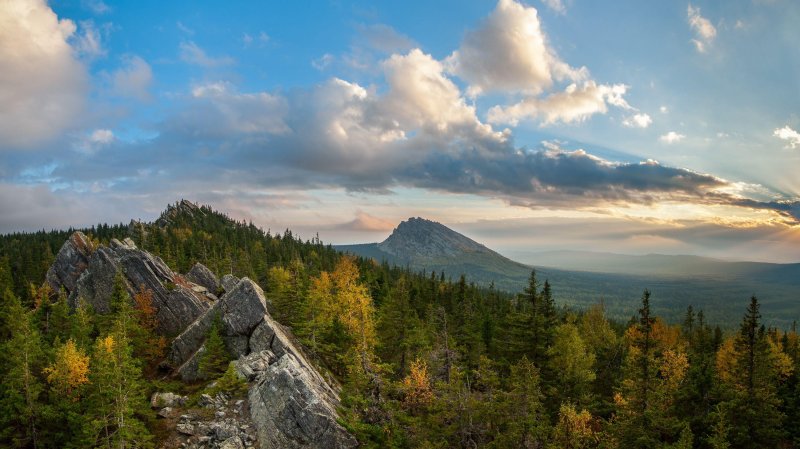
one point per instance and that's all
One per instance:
(427, 245)
(662, 265)
(718, 287)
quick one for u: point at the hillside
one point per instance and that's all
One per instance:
(583, 278)
(427, 245)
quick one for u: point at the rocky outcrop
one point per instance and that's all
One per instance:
(201, 275)
(228, 282)
(87, 274)
(291, 405)
(71, 260)
(240, 311)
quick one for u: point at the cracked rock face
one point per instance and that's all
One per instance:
(87, 274)
(291, 405)
(202, 276)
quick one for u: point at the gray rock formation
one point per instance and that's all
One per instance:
(291, 405)
(228, 282)
(240, 311)
(88, 274)
(71, 260)
(201, 275)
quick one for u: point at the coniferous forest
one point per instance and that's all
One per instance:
(424, 360)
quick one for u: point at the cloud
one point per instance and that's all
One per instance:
(89, 42)
(95, 140)
(96, 6)
(190, 53)
(509, 52)
(385, 39)
(556, 5)
(640, 120)
(43, 86)
(248, 39)
(791, 136)
(704, 31)
(217, 110)
(132, 79)
(368, 223)
(574, 104)
(323, 61)
(671, 137)
(184, 29)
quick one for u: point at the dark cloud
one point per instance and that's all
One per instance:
(340, 135)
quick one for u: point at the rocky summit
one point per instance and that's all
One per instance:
(290, 405)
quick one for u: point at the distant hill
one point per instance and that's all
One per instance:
(427, 245)
(663, 265)
(720, 288)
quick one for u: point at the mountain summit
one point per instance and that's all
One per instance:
(425, 244)
(418, 238)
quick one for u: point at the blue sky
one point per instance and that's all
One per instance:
(622, 126)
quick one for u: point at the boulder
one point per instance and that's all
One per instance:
(240, 311)
(243, 308)
(202, 276)
(292, 409)
(228, 282)
(167, 399)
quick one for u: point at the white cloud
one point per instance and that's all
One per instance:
(663, 109)
(556, 5)
(96, 6)
(641, 120)
(184, 29)
(102, 136)
(702, 27)
(133, 78)
(671, 137)
(574, 104)
(385, 39)
(89, 43)
(192, 54)
(791, 136)
(509, 52)
(95, 140)
(323, 61)
(42, 84)
(220, 110)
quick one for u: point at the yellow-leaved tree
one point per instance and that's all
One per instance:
(69, 371)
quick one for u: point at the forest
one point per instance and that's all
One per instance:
(424, 360)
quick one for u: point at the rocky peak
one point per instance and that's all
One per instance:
(421, 238)
(87, 274)
(291, 404)
(183, 208)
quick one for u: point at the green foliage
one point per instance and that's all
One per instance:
(230, 383)
(425, 361)
(215, 358)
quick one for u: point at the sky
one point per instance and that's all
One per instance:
(628, 126)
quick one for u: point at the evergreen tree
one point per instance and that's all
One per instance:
(20, 409)
(215, 358)
(751, 408)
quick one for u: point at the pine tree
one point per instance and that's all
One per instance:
(215, 358)
(752, 406)
(20, 410)
(655, 370)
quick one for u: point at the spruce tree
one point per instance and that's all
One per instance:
(752, 406)
(215, 358)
